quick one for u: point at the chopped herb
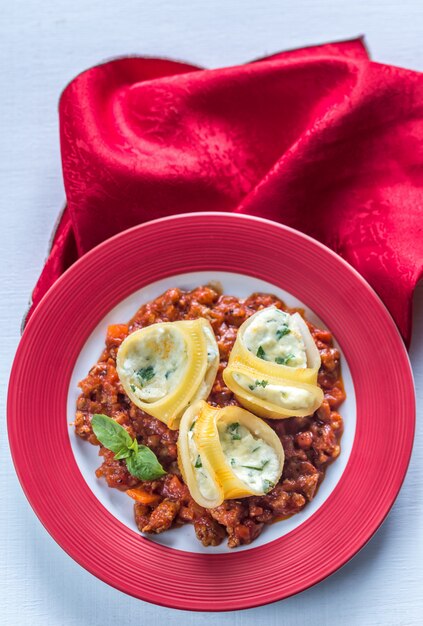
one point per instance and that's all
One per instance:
(272, 319)
(258, 383)
(192, 425)
(259, 469)
(233, 431)
(198, 462)
(283, 360)
(281, 332)
(133, 388)
(233, 462)
(267, 485)
(255, 449)
(145, 373)
(170, 372)
(261, 353)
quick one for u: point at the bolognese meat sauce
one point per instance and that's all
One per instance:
(310, 443)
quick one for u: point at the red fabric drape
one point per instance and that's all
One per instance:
(321, 139)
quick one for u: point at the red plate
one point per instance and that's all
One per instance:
(38, 430)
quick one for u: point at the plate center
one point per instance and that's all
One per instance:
(86, 455)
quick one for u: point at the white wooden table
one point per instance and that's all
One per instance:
(42, 46)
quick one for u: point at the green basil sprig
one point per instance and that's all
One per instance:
(140, 460)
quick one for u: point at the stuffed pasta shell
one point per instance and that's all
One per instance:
(165, 367)
(240, 454)
(273, 366)
(279, 344)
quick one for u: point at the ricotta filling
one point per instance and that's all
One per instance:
(285, 396)
(273, 335)
(251, 459)
(155, 365)
(205, 484)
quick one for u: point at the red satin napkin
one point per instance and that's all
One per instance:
(320, 139)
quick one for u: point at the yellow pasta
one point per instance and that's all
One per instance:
(241, 453)
(198, 474)
(167, 366)
(271, 396)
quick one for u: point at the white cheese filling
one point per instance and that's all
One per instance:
(273, 335)
(204, 482)
(251, 459)
(156, 364)
(285, 396)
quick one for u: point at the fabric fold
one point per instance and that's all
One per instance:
(320, 139)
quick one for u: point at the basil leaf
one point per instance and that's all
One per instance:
(144, 465)
(261, 353)
(140, 460)
(124, 453)
(110, 434)
(133, 446)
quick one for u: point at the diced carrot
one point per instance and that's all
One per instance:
(116, 333)
(143, 496)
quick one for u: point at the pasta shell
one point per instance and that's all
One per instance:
(245, 454)
(295, 329)
(166, 366)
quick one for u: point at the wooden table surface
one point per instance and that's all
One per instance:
(42, 46)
